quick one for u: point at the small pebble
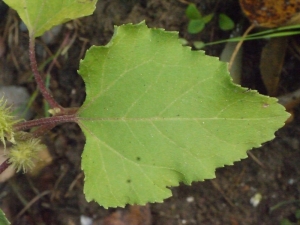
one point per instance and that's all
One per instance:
(291, 181)
(85, 220)
(17, 98)
(190, 199)
(23, 27)
(255, 200)
(50, 36)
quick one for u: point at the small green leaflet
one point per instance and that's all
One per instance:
(3, 219)
(157, 114)
(192, 12)
(225, 22)
(41, 15)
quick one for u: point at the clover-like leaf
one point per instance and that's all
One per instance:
(225, 22)
(41, 15)
(157, 114)
(196, 26)
(192, 12)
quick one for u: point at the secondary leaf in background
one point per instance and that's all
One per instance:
(41, 15)
(208, 18)
(197, 22)
(192, 12)
(196, 26)
(225, 23)
(157, 114)
(3, 219)
(271, 14)
(271, 62)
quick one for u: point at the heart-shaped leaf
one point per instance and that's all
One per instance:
(157, 114)
(192, 12)
(40, 15)
(225, 23)
(196, 26)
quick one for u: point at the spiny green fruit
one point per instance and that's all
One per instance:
(23, 154)
(7, 121)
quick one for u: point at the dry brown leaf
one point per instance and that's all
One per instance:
(2, 47)
(271, 62)
(270, 13)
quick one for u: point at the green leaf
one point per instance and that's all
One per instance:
(157, 113)
(286, 222)
(199, 44)
(3, 219)
(41, 15)
(192, 12)
(297, 214)
(196, 26)
(225, 23)
(208, 18)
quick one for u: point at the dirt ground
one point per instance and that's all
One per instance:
(272, 171)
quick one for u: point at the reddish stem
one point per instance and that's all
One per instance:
(47, 96)
(46, 122)
(4, 166)
(42, 130)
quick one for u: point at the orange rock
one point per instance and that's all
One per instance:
(133, 215)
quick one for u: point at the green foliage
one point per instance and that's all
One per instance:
(297, 214)
(3, 220)
(22, 154)
(196, 26)
(286, 222)
(197, 22)
(24, 147)
(225, 23)
(7, 121)
(41, 15)
(192, 12)
(270, 33)
(157, 114)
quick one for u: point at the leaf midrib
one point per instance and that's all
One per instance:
(151, 119)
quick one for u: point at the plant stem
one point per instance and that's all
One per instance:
(51, 121)
(4, 166)
(238, 46)
(46, 94)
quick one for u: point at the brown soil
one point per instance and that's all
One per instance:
(272, 170)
